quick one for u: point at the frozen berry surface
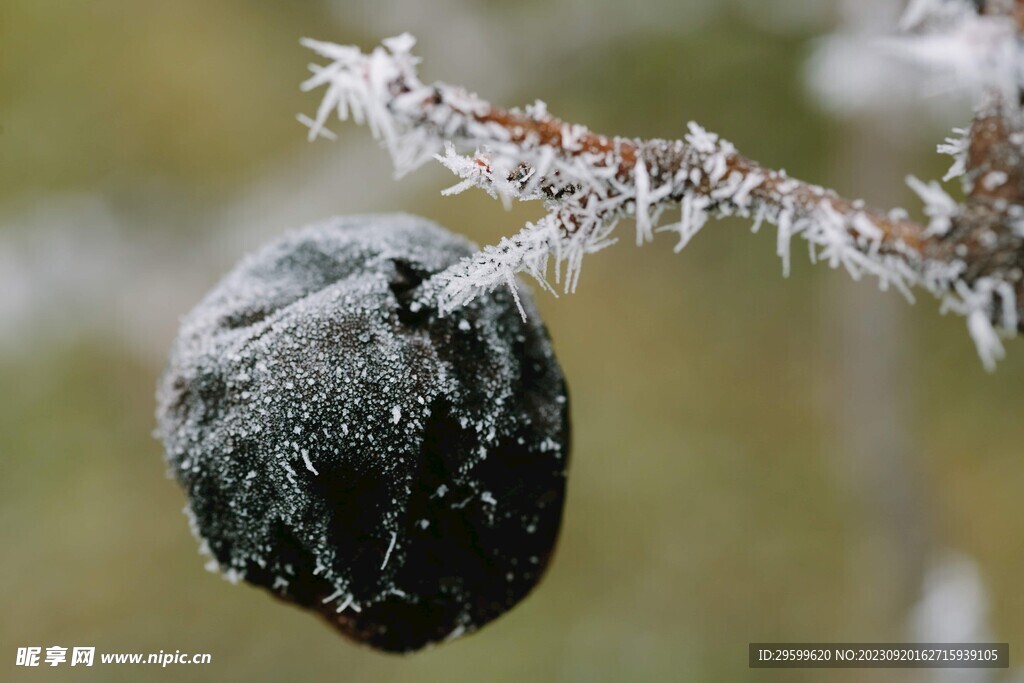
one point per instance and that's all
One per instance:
(347, 448)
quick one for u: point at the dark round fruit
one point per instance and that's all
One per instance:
(347, 448)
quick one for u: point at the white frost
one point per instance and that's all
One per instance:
(391, 547)
(588, 189)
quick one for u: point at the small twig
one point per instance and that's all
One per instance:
(968, 255)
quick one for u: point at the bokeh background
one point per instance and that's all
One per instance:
(756, 458)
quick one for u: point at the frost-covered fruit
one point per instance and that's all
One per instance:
(347, 448)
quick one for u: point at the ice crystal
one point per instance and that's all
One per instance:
(969, 49)
(590, 183)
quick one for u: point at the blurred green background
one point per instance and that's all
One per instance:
(755, 458)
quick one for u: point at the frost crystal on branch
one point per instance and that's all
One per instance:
(979, 51)
(588, 183)
(921, 13)
(956, 147)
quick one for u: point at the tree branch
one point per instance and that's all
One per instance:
(968, 255)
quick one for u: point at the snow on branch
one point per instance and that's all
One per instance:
(968, 255)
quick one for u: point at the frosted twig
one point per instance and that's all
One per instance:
(969, 255)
